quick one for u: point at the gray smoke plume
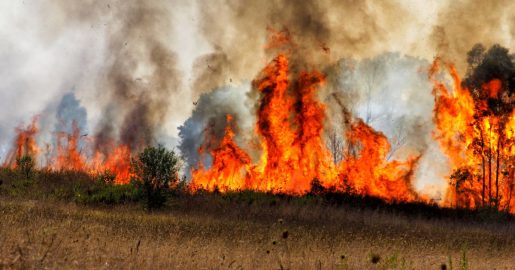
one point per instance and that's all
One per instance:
(209, 119)
(139, 73)
(116, 54)
(390, 92)
(70, 112)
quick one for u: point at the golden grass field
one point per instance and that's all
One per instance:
(49, 234)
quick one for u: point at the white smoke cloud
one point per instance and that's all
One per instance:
(36, 70)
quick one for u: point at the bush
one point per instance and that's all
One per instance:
(25, 165)
(156, 168)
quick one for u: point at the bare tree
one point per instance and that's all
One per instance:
(336, 146)
(398, 139)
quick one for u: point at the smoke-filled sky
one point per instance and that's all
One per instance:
(132, 70)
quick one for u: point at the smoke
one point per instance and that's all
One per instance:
(462, 24)
(322, 31)
(137, 67)
(209, 118)
(69, 113)
(117, 55)
(496, 63)
(36, 69)
(390, 92)
(140, 73)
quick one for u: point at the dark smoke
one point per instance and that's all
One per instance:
(140, 74)
(485, 66)
(323, 31)
(496, 63)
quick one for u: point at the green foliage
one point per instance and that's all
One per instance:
(156, 168)
(67, 186)
(109, 194)
(25, 165)
(14, 182)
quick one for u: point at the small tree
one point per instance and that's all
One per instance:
(25, 165)
(155, 169)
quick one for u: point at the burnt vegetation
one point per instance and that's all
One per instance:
(491, 83)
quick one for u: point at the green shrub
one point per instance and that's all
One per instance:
(156, 169)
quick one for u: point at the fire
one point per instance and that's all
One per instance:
(69, 155)
(475, 130)
(229, 164)
(25, 143)
(474, 124)
(369, 172)
(293, 153)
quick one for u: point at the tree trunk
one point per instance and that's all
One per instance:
(490, 169)
(499, 145)
(483, 168)
(508, 206)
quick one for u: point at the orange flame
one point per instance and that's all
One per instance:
(25, 143)
(293, 154)
(478, 141)
(69, 156)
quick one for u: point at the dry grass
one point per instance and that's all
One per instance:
(55, 235)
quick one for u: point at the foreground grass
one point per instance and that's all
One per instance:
(203, 233)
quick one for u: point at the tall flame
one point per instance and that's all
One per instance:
(474, 126)
(478, 140)
(293, 153)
